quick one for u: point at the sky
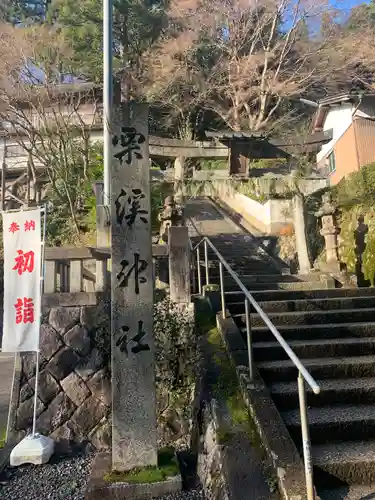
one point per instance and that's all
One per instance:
(348, 3)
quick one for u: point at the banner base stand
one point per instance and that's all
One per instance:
(34, 449)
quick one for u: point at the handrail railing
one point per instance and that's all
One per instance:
(303, 374)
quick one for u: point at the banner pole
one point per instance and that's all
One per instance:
(8, 429)
(42, 266)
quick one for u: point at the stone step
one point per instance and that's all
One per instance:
(291, 295)
(349, 461)
(326, 304)
(249, 279)
(251, 265)
(319, 368)
(231, 286)
(332, 391)
(244, 271)
(311, 332)
(347, 492)
(315, 348)
(311, 317)
(333, 423)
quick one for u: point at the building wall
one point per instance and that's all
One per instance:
(338, 120)
(346, 159)
(367, 107)
(365, 135)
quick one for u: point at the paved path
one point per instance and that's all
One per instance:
(6, 375)
(206, 220)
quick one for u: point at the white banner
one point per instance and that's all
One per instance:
(22, 271)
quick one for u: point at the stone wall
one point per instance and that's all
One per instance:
(74, 396)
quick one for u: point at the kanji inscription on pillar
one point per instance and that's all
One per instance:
(133, 372)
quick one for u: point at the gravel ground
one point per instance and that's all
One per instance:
(61, 479)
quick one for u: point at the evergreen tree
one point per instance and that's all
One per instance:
(21, 11)
(136, 24)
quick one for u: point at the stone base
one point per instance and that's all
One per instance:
(98, 488)
(332, 267)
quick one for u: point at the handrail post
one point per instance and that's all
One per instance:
(192, 267)
(222, 291)
(305, 438)
(249, 340)
(199, 271)
(206, 262)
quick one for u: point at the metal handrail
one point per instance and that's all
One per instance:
(309, 379)
(303, 374)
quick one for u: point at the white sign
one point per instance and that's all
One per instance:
(22, 271)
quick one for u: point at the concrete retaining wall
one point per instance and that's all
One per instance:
(267, 218)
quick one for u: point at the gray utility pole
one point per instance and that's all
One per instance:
(107, 97)
(3, 154)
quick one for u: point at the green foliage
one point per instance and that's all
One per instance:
(363, 14)
(213, 165)
(167, 467)
(369, 255)
(227, 388)
(348, 224)
(136, 24)
(2, 437)
(357, 188)
(251, 189)
(315, 242)
(60, 225)
(159, 191)
(16, 11)
(355, 196)
(73, 186)
(267, 163)
(176, 347)
(204, 316)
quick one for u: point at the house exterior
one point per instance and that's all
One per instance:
(351, 120)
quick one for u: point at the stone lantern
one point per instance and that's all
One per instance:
(330, 232)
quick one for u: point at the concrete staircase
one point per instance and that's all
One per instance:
(333, 332)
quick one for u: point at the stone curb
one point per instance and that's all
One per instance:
(280, 448)
(211, 461)
(98, 488)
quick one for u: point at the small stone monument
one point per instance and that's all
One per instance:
(134, 426)
(171, 215)
(133, 374)
(330, 232)
(180, 209)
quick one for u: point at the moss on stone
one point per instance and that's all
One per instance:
(2, 437)
(204, 316)
(214, 338)
(227, 387)
(223, 436)
(167, 467)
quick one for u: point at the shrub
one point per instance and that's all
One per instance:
(176, 349)
(356, 189)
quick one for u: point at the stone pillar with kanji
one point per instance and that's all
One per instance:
(133, 355)
(330, 231)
